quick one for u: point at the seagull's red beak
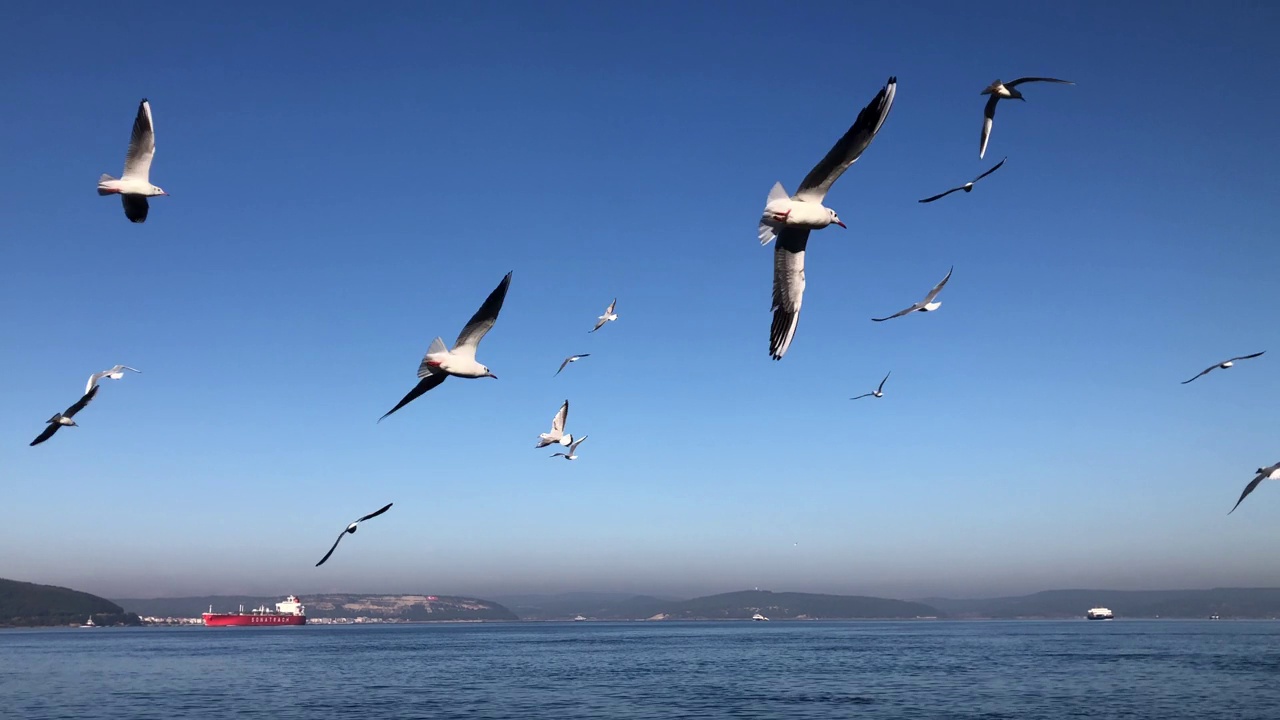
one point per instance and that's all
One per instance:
(846, 227)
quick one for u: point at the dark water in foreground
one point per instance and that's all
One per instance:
(793, 670)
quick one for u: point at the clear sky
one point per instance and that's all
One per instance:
(350, 180)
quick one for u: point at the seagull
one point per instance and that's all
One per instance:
(998, 91)
(573, 449)
(791, 218)
(1266, 473)
(63, 419)
(967, 187)
(571, 359)
(1224, 365)
(352, 529)
(879, 392)
(608, 316)
(114, 373)
(557, 429)
(439, 362)
(134, 186)
(925, 305)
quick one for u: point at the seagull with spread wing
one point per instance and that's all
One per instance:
(352, 530)
(967, 187)
(926, 305)
(573, 450)
(1266, 473)
(790, 218)
(440, 362)
(571, 359)
(63, 419)
(1004, 91)
(608, 316)
(878, 392)
(134, 185)
(1224, 365)
(557, 434)
(114, 373)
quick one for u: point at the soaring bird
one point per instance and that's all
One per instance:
(967, 187)
(557, 429)
(134, 185)
(439, 362)
(63, 419)
(925, 305)
(1266, 473)
(878, 392)
(571, 359)
(1224, 365)
(791, 218)
(114, 373)
(573, 450)
(352, 529)
(608, 316)
(1003, 91)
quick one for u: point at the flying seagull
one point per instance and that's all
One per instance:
(557, 429)
(1224, 365)
(134, 186)
(114, 373)
(573, 450)
(439, 362)
(352, 529)
(879, 392)
(608, 316)
(1003, 91)
(63, 419)
(925, 305)
(791, 218)
(1266, 473)
(571, 359)
(967, 187)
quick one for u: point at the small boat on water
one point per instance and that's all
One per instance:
(1099, 613)
(579, 619)
(89, 623)
(758, 617)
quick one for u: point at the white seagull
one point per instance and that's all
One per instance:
(1004, 91)
(608, 316)
(114, 373)
(557, 429)
(879, 392)
(925, 305)
(134, 186)
(63, 419)
(1224, 365)
(352, 529)
(571, 359)
(791, 218)
(967, 187)
(439, 362)
(573, 450)
(1266, 473)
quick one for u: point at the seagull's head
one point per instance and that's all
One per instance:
(156, 190)
(487, 373)
(835, 219)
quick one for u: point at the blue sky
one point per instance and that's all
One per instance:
(348, 182)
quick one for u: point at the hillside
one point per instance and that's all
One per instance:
(25, 604)
(334, 605)
(1225, 602)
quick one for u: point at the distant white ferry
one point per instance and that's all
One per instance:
(579, 619)
(759, 617)
(1099, 613)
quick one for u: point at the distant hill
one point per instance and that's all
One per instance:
(25, 604)
(1225, 602)
(334, 605)
(736, 605)
(565, 606)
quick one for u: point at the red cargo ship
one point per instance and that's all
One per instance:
(289, 612)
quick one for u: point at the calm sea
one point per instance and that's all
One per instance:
(792, 670)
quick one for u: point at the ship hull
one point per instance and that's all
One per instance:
(251, 620)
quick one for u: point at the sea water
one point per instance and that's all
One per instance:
(787, 670)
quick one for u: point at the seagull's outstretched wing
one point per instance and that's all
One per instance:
(988, 117)
(1202, 372)
(573, 449)
(937, 288)
(135, 207)
(49, 430)
(374, 514)
(423, 386)
(482, 321)
(941, 195)
(882, 382)
(114, 373)
(600, 321)
(557, 422)
(79, 404)
(335, 547)
(862, 396)
(563, 365)
(613, 305)
(900, 313)
(142, 147)
(1248, 489)
(997, 167)
(788, 288)
(849, 148)
(1246, 357)
(1019, 81)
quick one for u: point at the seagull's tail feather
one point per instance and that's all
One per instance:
(766, 233)
(777, 192)
(105, 178)
(437, 348)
